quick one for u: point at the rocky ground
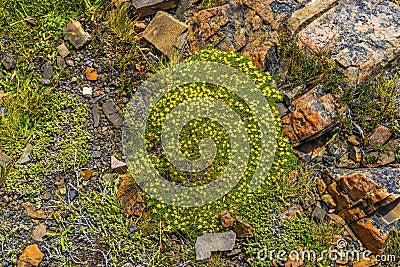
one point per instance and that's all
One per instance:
(65, 196)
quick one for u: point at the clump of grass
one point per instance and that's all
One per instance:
(121, 24)
(375, 102)
(307, 68)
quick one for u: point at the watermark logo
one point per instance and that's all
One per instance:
(148, 95)
(339, 253)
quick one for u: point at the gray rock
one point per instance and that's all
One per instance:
(319, 213)
(96, 115)
(26, 153)
(112, 113)
(362, 36)
(4, 159)
(96, 154)
(212, 242)
(47, 73)
(144, 8)
(61, 63)
(9, 62)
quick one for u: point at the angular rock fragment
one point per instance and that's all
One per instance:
(96, 115)
(4, 159)
(129, 197)
(118, 166)
(31, 256)
(379, 137)
(144, 8)
(9, 62)
(370, 234)
(310, 120)
(38, 232)
(75, 33)
(91, 74)
(112, 113)
(226, 219)
(32, 211)
(213, 242)
(47, 73)
(61, 63)
(242, 229)
(164, 32)
(26, 153)
(63, 50)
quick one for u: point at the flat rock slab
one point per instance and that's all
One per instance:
(164, 32)
(388, 178)
(144, 8)
(363, 36)
(310, 120)
(212, 242)
(112, 113)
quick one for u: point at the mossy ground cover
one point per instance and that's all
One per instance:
(95, 224)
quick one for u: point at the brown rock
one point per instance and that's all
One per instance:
(321, 186)
(379, 137)
(352, 215)
(346, 162)
(226, 219)
(353, 140)
(242, 229)
(140, 26)
(129, 197)
(112, 113)
(38, 232)
(329, 201)
(87, 174)
(357, 185)
(311, 120)
(118, 166)
(370, 235)
(336, 218)
(96, 115)
(31, 256)
(292, 211)
(63, 50)
(163, 32)
(32, 211)
(91, 74)
(144, 8)
(355, 154)
(74, 33)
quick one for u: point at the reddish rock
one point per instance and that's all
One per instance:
(226, 219)
(91, 74)
(357, 186)
(310, 120)
(342, 201)
(379, 137)
(31, 256)
(321, 186)
(129, 196)
(352, 215)
(370, 235)
(248, 26)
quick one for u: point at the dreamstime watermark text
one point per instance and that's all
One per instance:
(340, 253)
